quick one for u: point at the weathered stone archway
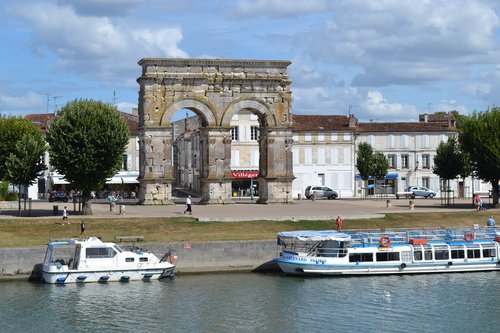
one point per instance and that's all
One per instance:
(215, 90)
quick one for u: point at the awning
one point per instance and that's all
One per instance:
(59, 180)
(388, 176)
(124, 177)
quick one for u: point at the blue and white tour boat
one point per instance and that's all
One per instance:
(396, 251)
(92, 260)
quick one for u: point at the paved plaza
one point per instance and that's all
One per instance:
(245, 209)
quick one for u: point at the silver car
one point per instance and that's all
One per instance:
(420, 191)
(322, 192)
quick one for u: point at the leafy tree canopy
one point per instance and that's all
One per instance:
(12, 131)
(23, 166)
(379, 166)
(449, 161)
(480, 138)
(363, 163)
(86, 143)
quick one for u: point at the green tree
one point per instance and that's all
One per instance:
(86, 143)
(23, 166)
(12, 130)
(364, 158)
(449, 161)
(479, 137)
(379, 166)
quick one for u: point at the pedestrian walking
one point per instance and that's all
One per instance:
(188, 206)
(339, 222)
(65, 215)
(82, 229)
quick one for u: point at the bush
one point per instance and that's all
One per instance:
(11, 197)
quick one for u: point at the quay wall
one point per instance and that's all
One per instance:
(198, 257)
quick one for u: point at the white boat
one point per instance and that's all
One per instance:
(331, 252)
(91, 260)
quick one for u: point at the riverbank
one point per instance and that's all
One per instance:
(217, 238)
(197, 257)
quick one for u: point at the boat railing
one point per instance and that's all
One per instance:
(401, 235)
(398, 236)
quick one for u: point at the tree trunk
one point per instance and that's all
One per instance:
(495, 191)
(86, 203)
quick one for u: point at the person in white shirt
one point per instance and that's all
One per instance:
(188, 206)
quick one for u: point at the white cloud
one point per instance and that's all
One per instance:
(126, 107)
(448, 105)
(402, 41)
(377, 107)
(278, 8)
(97, 46)
(102, 7)
(163, 40)
(29, 101)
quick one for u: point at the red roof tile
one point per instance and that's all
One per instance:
(319, 122)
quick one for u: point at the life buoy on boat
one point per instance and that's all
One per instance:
(385, 241)
(469, 236)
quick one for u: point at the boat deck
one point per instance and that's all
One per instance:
(403, 236)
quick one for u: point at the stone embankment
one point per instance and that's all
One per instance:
(199, 257)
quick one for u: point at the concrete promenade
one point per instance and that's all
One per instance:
(245, 209)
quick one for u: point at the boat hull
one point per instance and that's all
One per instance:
(74, 276)
(299, 268)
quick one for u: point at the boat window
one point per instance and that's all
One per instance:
(473, 253)
(417, 255)
(428, 255)
(360, 257)
(143, 259)
(457, 253)
(118, 249)
(489, 252)
(129, 259)
(388, 256)
(100, 252)
(441, 252)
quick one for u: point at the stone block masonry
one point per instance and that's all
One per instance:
(198, 257)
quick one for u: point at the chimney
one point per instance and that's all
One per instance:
(352, 121)
(426, 118)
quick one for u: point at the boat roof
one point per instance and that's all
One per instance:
(396, 235)
(87, 241)
(315, 235)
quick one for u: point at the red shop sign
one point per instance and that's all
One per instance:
(244, 174)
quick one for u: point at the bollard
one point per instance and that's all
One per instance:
(412, 205)
(122, 209)
(388, 203)
(55, 210)
(112, 206)
(299, 196)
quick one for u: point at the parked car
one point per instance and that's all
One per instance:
(420, 191)
(322, 192)
(58, 196)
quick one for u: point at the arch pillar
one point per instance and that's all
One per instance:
(155, 167)
(276, 166)
(216, 163)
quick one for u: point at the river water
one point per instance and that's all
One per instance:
(247, 302)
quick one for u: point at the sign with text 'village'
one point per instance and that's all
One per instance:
(244, 174)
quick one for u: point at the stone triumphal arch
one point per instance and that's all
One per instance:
(215, 90)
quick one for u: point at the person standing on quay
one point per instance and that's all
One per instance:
(65, 215)
(339, 222)
(82, 229)
(188, 206)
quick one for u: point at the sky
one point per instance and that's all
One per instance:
(381, 60)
